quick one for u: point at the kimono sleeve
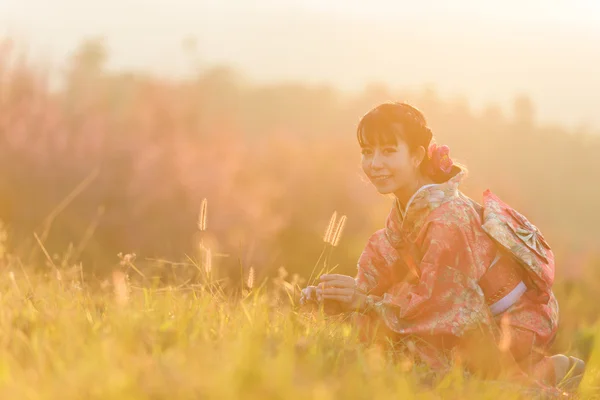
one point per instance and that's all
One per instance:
(446, 299)
(375, 265)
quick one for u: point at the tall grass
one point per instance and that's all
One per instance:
(67, 340)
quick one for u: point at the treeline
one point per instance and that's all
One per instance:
(120, 162)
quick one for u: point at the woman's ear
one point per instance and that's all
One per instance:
(419, 156)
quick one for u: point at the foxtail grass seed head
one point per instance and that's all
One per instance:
(282, 272)
(250, 282)
(202, 216)
(338, 231)
(330, 228)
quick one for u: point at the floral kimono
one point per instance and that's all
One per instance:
(450, 278)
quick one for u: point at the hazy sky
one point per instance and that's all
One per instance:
(487, 50)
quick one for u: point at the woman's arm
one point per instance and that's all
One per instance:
(376, 265)
(375, 274)
(447, 297)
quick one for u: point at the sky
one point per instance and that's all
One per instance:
(486, 51)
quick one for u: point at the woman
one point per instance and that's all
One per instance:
(448, 278)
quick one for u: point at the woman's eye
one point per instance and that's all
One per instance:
(366, 152)
(389, 150)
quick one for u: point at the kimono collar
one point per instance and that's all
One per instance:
(406, 224)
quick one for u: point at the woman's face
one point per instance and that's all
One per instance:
(390, 167)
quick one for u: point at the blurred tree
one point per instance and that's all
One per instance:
(493, 115)
(524, 111)
(89, 58)
(274, 161)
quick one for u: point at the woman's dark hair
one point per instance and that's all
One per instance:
(387, 122)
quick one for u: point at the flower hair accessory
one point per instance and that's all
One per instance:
(439, 159)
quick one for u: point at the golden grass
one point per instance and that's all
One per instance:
(65, 340)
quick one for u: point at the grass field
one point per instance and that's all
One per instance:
(62, 339)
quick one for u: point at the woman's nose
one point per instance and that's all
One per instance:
(376, 161)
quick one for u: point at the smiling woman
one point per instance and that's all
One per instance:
(457, 279)
(394, 138)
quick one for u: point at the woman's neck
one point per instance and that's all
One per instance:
(404, 194)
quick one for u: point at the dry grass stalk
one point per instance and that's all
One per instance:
(58, 274)
(121, 287)
(11, 275)
(207, 260)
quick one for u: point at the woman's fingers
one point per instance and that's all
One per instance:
(338, 283)
(335, 277)
(338, 297)
(336, 291)
(309, 291)
(331, 290)
(344, 291)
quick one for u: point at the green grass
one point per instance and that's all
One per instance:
(60, 339)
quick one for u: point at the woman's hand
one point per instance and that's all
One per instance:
(309, 296)
(342, 288)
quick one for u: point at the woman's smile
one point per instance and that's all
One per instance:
(380, 178)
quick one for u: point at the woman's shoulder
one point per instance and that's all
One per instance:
(458, 211)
